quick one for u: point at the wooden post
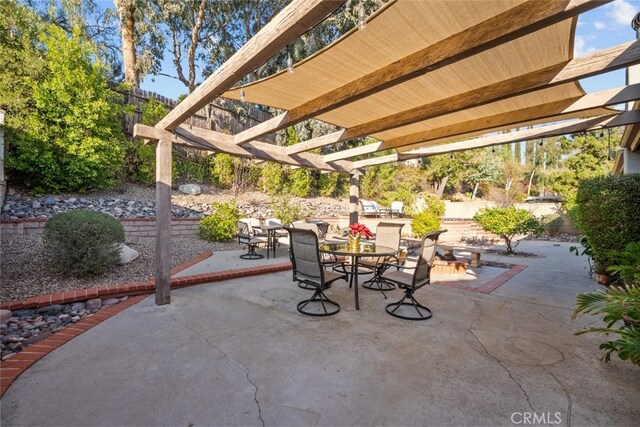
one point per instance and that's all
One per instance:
(163, 221)
(354, 194)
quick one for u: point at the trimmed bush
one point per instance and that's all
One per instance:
(507, 223)
(83, 242)
(221, 225)
(286, 210)
(425, 222)
(608, 212)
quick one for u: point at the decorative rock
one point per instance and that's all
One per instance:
(24, 313)
(49, 201)
(5, 315)
(127, 254)
(36, 204)
(190, 189)
(110, 301)
(63, 316)
(77, 306)
(123, 298)
(75, 319)
(94, 304)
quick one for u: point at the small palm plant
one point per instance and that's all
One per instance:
(618, 303)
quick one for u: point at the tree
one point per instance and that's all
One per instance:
(142, 42)
(483, 168)
(507, 223)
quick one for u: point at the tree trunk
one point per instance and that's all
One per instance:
(475, 190)
(530, 182)
(441, 186)
(126, 11)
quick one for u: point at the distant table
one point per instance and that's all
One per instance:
(271, 236)
(366, 250)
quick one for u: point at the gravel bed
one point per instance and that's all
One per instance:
(25, 273)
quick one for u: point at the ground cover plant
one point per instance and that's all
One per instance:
(221, 225)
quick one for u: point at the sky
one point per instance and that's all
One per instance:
(606, 26)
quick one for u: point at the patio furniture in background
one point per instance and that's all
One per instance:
(270, 231)
(420, 277)
(351, 269)
(387, 234)
(308, 270)
(318, 228)
(248, 239)
(397, 209)
(254, 222)
(371, 208)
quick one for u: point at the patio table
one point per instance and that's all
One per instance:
(271, 236)
(365, 250)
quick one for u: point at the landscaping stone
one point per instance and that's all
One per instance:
(93, 304)
(77, 306)
(110, 301)
(193, 189)
(5, 315)
(127, 254)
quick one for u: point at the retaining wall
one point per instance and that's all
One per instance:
(137, 227)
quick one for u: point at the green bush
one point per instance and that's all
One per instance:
(425, 222)
(70, 138)
(608, 214)
(190, 167)
(83, 242)
(285, 210)
(272, 176)
(435, 205)
(507, 223)
(221, 225)
(300, 182)
(328, 184)
(221, 170)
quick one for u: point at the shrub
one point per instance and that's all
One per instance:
(222, 170)
(272, 176)
(71, 137)
(608, 214)
(221, 225)
(285, 210)
(83, 242)
(507, 223)
(328, 184)
(300, 182)
(424, 223)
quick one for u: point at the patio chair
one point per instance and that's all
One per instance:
(387, 234)
(279, 234)
(246, 238)
(307, 269)
(420, 277)
(254, 222)
(327, 260)
(397, 208)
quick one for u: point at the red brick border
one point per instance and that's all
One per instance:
(491, 285)
(18, 363)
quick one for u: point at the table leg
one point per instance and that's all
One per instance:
(268, 242)
(354, 261)
(273, 242)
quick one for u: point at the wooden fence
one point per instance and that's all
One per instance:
(222, 115)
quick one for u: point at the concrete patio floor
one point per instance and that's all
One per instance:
(238, 353)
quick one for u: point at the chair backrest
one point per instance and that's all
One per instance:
(397, 206)
(388, 234)
(368, 207)
(304, 253)
(251, 221)
(422, 273)
(244, 232)
(304, 225)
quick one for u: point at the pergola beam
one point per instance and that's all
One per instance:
(209, 140)
(553, 111)
(293, 21)
(509, 25)
(557, 129)
(589, 65)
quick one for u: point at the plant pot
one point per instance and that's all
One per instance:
(354, 243)
(603, 279)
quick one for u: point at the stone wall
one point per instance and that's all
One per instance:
(142, 227)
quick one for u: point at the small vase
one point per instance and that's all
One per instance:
(354, 243)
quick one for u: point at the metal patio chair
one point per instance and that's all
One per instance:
(387, 234)
(246, 238)
(307, 269)
(410, 282)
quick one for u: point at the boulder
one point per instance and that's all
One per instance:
(127, 254)
(190, 189)
(94, 304)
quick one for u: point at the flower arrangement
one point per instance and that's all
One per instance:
(360, 230)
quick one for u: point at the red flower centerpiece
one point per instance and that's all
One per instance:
(357, 231)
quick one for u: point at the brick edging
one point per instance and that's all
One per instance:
(41, 219)
(18, 363)
(490, 285)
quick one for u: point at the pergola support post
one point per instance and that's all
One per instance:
(354, 195)
(163, 221)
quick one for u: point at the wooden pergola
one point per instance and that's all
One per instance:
(422, 78)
